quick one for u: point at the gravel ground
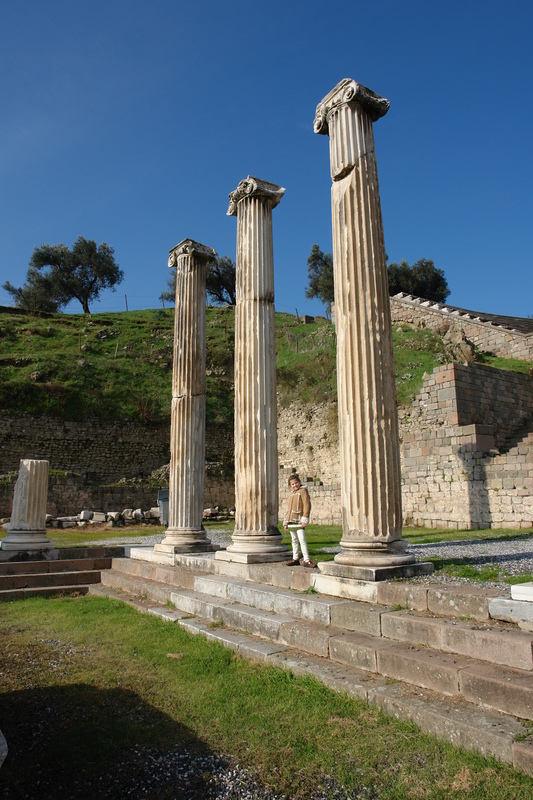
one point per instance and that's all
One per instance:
(186, 775)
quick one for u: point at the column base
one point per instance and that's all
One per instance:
(26, 541)
(384, 572)
(184, 541)
(254, 548)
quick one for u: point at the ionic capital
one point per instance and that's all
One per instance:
(189, 247)
(254, 187)
(348, 92)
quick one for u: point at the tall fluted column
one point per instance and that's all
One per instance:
(256, 537)
(26, 530)
(185, 533)
(368, 422)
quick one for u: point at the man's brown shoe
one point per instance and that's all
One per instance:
(309, 564)
(294, 563)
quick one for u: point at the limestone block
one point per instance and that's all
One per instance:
(507, 690)
(500, 646)
(405, 627)
(356, 616)
(522, 591)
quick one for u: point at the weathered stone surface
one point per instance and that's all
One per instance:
(256, 536)
(309, 638)
(26, 529)
(424, 668)
(356, 616)
(185, 532)
(501, 646)
(356, 650)
(406, 627)
(460, 601)
(368, 420)
(403, 594)
(506, 690)
(520, 612)
(523, 757)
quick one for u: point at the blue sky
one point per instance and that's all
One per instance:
(130, 123)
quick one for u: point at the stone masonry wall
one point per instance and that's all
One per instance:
(456, 472)
(490, 338)
(466, 447)
(70, 494)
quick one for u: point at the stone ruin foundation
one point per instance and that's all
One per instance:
(26, 532)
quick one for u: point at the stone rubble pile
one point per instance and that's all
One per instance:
(129, 516)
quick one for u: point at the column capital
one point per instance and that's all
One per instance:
(345, 92)
(254, 187)
(189, 247)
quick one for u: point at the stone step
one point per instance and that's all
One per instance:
(449, 719)
(6, 595)
(156, 591)
(496, 644)
(413, 662)
(57, 565)
(49, 579)
(175, 576)
(500, 688)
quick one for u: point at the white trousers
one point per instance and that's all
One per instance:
(298, 536)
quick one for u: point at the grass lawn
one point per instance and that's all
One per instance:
(91, 688)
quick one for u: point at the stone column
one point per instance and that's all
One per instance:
(368, 423)
(26, 530)
(185, 533)
(256, 537)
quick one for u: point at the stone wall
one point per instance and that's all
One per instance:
(102, 453)
(466, 449)
(489, 337)
(98, 451)
(68, 495)
(466, 446)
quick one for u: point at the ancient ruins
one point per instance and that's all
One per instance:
(368, 421)
(256, 537)
(26, 530)
(187, 437)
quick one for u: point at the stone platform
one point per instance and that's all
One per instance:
(437, 655)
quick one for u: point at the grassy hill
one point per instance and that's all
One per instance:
(119, 365)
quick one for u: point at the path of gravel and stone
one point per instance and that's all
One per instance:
(218, 777)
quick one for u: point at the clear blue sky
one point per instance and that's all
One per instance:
(130, 122)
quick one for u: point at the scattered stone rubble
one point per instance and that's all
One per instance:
(129, 516)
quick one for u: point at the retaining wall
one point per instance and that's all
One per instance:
(489, 337)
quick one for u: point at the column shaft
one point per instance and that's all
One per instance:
(256, 536)
(27, 531)
(187, 437)
(368, 422)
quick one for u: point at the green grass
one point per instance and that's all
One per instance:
(119, 365)
(90, 688)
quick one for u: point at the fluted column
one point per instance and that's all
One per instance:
(26, 530)
(256, 537)
(185, 533)
(368, 422)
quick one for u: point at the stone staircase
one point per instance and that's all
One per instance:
(430, 653)
(71, 572)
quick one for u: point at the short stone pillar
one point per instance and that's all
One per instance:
(26, 531)
(185, 533)
(368, 421)
(256, 537)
